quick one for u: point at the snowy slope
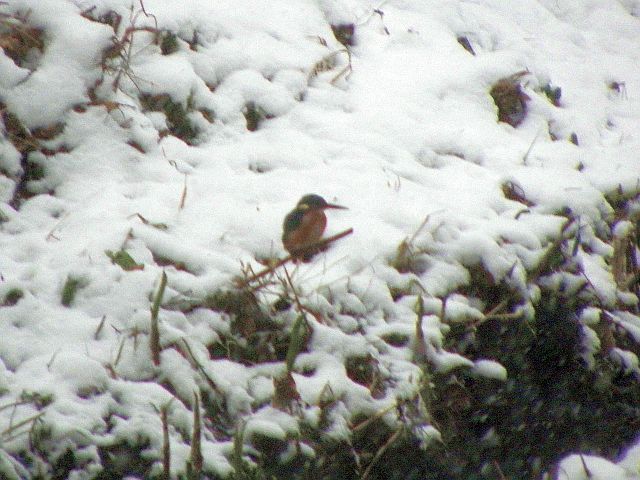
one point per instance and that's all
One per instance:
(401, 129)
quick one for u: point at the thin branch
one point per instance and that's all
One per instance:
(496, 465)
(380, 452)
(587, 472)
(154, 336)
(13, 428)
(533, 142)
(200, 368)
(195, 457)
(96, 334)
(183, 197)
(166, 446)
(498, 308)
(313, 247)
(376, 416)
(504, 316)
(148, 15)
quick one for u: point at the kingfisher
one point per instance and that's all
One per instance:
(304, 225)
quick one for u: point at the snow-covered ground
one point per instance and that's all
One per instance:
(400, 128)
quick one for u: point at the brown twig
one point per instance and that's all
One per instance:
(305, 249)
(287, 283)
(96, 334)
(301, 308)
(420, 345)
(587, 472)
(166, 446)
(380, 452)
(183, 197)
(379, 414)
(195, 456)
(200, 368)
(497, 309)
(496, 316)
(13, 428)
(154, 335)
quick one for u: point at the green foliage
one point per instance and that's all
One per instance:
(254, 116)
(12, 297)
(38, 399)
(256, 335)
(154, 334)
(168, 43)
(551, 404)
(179, 123)
(124, 260)
(64, 465)
(296, 341)
(552, 93)
(125, 458)
(69, 290)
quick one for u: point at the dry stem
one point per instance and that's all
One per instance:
(313, 247)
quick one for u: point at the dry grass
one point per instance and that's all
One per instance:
(21, 41)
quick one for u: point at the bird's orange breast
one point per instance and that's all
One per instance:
(309, 231)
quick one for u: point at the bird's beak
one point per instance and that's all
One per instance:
(333, 205)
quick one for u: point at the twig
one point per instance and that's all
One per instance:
(209, 380)
(304, 249)
(51, 234)
(96, 334)
(196, 448)
(605, 332)
(166, 446)
(148, 15)
(13, 428)
(496, 309)
(587, 472)
(183, 197)
(238, 441)
(419, 229)
(154, 335)
(420, 345)
(533, 142)
(599, 300)
(346, 71)
(323, 65)
(496, 465)
(368, 421)
(546, 260)
(301, 309)
(52, 359)
(380, 452)
(496, 316)
(15, 404)
(504, 316)
(374, 11)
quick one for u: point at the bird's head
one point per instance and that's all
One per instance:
(315, 202)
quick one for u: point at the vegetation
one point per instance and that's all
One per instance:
(562, 345)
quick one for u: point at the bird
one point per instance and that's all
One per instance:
(304, 225)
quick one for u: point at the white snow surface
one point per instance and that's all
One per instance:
(409, 134)
(590, 467)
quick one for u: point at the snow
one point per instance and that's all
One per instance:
(583, 467)
(490, 369)
(409, 134)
